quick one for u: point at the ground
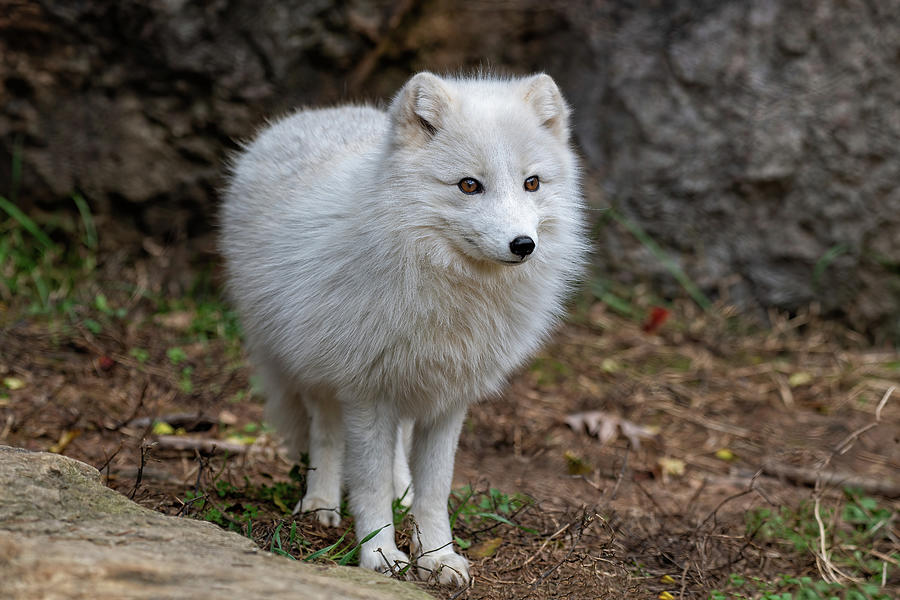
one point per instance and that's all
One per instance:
(653, 450)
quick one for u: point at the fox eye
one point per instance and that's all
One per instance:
(532, 183)
(468, 185)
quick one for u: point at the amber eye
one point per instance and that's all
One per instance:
(532, 183)
(470, 186)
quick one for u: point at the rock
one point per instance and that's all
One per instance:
(757, 142)
(65, 535)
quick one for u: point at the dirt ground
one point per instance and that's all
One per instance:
(702, 421)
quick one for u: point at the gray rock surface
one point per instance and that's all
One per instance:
(65, 535)
(758, 142)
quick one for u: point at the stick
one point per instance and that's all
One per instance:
(180, 442)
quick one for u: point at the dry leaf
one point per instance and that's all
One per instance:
(725, 454)
(162, 428)
(226, 417)
(64, 440)
(671, 466)
(604, 425)
(13, 383)
(179, 320)
(799, 378)
(485, 549)
(576, 464)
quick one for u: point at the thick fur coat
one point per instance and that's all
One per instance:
(379, 286)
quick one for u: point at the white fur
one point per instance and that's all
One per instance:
(374, 292)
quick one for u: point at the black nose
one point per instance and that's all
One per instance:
(522, 246)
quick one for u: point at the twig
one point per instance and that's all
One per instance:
(750, 488)
(105, 464)
(189, 421)
(683, 580)
(621, 474)
(586, 522)
(180, 442)
(830, 572)
(827, 569)
(140, 474)
(136, 409)
(537, 553)
(848, 442)
(810, 476)
(184, 504)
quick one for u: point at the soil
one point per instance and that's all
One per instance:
(725, 416)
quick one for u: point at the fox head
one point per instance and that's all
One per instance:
(485, 163)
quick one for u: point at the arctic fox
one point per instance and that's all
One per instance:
(393, 267)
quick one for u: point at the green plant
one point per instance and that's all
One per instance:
(44, 268)
(662, 256)
(852, 534)
(478, 511)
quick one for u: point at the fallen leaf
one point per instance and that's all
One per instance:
(106, 363)
(609, 365)
(485, 549)
(179, 320)
(667, 579)
(64, 440)
(577, 465)
(725, 454)
(799, 378)
(226, 417)
(658, 316)
(604, 425)
(245, 440)
(280, 504)
(162, 428)
(665, 596)
(671, 466)
(13, 383)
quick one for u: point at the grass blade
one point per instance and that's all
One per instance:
(325, 550)
(662, 256)
(825, 261)
(455, 514)
(90, 230)
(503, 519)
(25, 221)
(347, 557)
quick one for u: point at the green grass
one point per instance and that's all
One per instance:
(663, 257)
(852, 532)
(41, 270)
(477, 511)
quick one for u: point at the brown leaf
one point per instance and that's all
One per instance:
(485, 549)
(603, 426)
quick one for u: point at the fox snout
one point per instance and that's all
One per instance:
(522, 246)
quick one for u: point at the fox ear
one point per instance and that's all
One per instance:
(422, 105)
(544, 97)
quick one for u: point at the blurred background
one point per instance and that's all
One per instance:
(739, 150)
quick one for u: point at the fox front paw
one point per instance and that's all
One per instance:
(327, 512)
(444, 568)
(388, 562)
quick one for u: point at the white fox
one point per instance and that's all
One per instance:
(394, 267)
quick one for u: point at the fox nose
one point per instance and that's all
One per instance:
(522, 246)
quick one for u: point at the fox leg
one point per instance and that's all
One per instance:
(433, 450)
(326, 458)
(402, 477)
(370, 433)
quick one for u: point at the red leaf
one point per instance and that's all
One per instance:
(658, 316)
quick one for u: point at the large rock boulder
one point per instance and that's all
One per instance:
(65, 535)
(759, 142)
